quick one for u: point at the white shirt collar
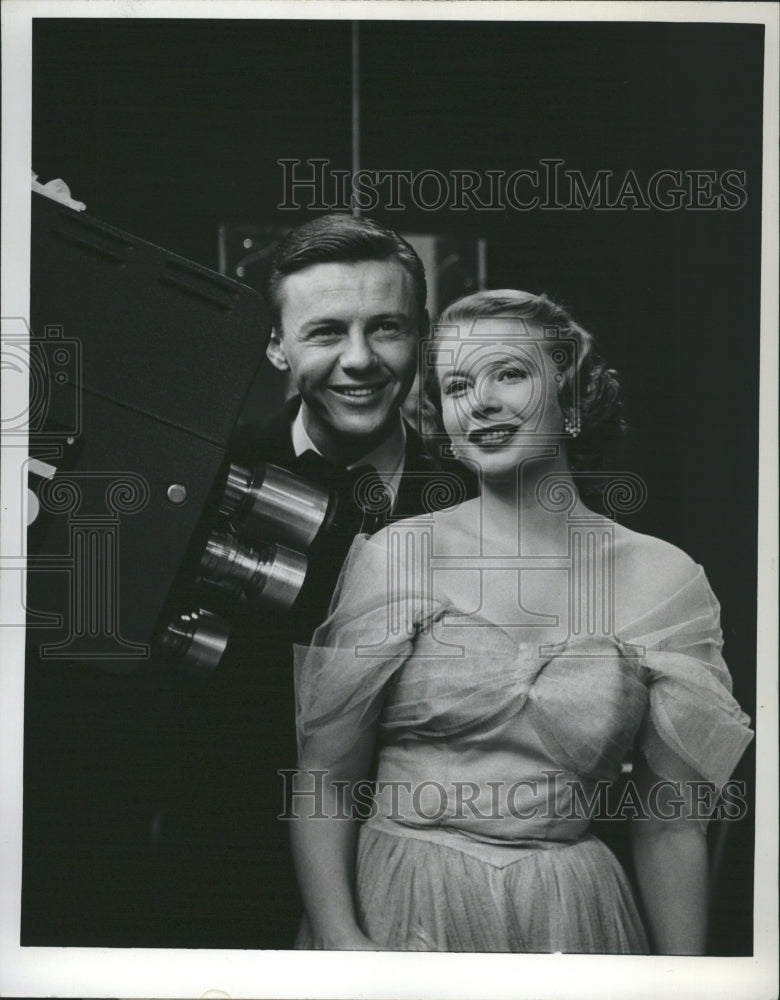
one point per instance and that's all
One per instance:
(387, 458)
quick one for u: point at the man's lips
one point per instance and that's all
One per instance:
(490, 437)
(358, 391)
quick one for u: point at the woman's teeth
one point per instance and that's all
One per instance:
(493, 437)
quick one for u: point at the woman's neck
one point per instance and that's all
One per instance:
(529, 511)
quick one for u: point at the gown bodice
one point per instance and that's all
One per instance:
(485, 732)
(488, 736)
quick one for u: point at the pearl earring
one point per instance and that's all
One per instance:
(571, 427)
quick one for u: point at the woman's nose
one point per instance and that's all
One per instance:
(483, 398)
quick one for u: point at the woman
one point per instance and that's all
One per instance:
(505, 658)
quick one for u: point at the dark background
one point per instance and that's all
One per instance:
(169, 129)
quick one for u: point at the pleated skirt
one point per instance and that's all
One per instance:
(421, 893)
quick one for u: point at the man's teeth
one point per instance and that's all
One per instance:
(369, 391)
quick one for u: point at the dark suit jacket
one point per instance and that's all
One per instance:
(271, 441)
(243, 730)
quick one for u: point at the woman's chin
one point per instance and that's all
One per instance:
(491, 471)
(500, 463)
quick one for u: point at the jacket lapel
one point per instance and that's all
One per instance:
(268, 440)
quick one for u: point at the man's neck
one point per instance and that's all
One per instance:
(348, 451)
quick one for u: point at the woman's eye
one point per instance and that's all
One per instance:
(455, 388)
(513, 374)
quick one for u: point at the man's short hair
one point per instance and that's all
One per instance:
(340, 239)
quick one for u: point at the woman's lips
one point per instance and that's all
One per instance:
(493, 437)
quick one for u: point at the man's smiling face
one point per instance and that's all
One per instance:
(349, 334)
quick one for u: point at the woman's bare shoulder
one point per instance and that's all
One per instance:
(648, 570)
(463, 517)
(452, 531)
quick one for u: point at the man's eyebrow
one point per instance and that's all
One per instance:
(321, 321)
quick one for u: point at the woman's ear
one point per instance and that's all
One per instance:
(275, 352)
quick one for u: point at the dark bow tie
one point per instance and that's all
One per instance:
(362, 495)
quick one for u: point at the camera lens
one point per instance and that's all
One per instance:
(271, 502)
(195, 641)
(273, 574)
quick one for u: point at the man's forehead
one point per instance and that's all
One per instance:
(372, 283)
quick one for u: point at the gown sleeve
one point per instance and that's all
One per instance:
(378, 608)
(693, 729)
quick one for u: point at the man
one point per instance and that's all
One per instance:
(347, 299)
(348, 312)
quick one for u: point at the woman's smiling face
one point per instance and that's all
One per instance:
(499, 393)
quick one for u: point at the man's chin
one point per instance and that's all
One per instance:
(361, 417)
(363, 430)
(355, 433)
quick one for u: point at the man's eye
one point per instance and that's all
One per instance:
(323, 333)
(389, 326)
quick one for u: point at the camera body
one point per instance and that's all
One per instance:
(139, 362)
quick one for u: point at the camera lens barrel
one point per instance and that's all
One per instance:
(273, 501)
(258, 504)
(196, 641)
(273, 574)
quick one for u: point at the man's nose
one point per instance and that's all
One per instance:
(357, 352)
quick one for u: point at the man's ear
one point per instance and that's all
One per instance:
(275, 352)
(425, 325)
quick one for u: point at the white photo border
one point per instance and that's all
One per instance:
(98, 972)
